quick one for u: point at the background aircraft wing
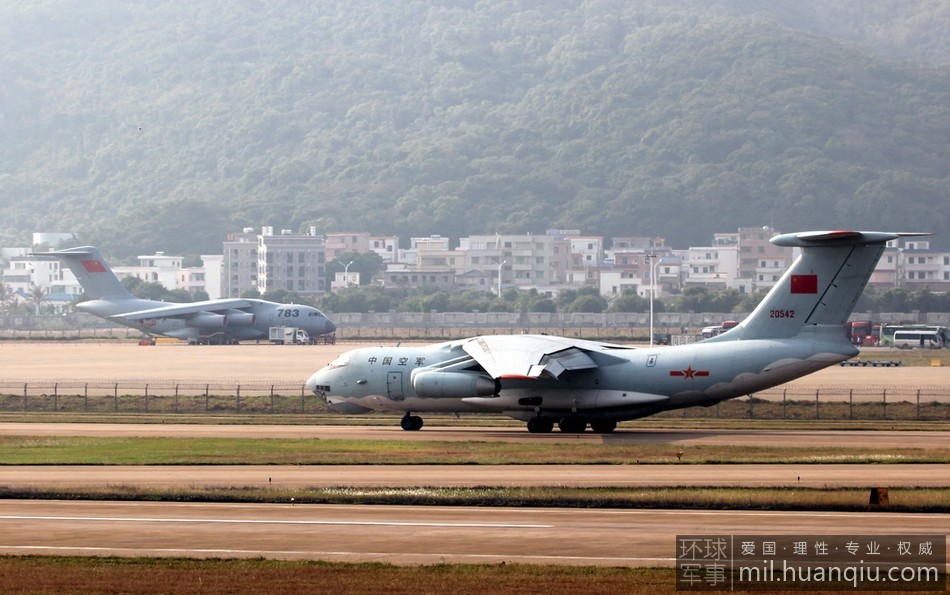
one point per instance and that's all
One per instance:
(528, 356)
(186, 310)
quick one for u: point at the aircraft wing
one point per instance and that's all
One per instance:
(186, 310)
(529, 356)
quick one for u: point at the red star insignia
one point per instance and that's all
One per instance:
(689, 373)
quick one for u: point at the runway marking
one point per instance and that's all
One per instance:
(273, 522)
(178, 551)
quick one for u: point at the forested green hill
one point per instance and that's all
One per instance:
(162, 125)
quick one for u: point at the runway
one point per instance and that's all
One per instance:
(404, 535)
(438, 534)
(403, 476)
(627, 434)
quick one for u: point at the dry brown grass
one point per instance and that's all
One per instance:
(29, 574)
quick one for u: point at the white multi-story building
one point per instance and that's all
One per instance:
(157, 268)
(715, 267)
(239, 263)
(521, 260)
(293, 262)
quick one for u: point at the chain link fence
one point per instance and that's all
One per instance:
(158, 397)
(926, 403)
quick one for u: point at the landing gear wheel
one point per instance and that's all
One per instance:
(411, 423)
(603, 426)
(572, 425)
(540, 425)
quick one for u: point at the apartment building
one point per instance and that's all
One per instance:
(289, 261)
(521, 260)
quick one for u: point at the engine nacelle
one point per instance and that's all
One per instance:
(240, 318)
(434, 384)
(207, 320)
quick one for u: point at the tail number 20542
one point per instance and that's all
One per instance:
(781, 313)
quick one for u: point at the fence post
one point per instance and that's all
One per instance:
(272, 398)
(146, 397)
(918, 404)
(85, 397)
(885, 403)
(817, 408)
(115, 397)
(55, 396)
(238, 391)
(25, 387)
(206, 397)
(784, 403)
(302, 401)
(176, 398)
(851, 403)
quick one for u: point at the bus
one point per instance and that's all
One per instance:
(941, 335)
(922, 339)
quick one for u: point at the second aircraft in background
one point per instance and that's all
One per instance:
(210, 321)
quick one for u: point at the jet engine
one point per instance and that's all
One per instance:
(240, 318)
(436, 384)
(207, 320)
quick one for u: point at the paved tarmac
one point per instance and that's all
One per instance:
(406, 535)
(628, 434)
(303, 476)
(430, 535)
(110, 361)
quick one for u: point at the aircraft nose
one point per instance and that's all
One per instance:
(313, 382)
(330, 327)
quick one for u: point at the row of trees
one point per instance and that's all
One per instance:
(588, 299)
(373, 298)
(585, 299)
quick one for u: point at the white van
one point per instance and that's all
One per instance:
(923, 339)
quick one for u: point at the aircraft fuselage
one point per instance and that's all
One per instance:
(634, 382)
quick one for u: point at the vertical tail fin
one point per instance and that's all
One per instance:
(820, 288)
(92, 272)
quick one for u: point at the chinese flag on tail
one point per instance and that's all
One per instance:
(804, 283)
(93, 266)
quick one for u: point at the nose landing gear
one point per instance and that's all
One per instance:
(411, 423)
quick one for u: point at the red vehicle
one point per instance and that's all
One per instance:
(865, 332)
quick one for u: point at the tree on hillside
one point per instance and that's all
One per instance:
(367, 264)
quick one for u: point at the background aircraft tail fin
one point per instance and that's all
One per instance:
(820, 288)
(92, 272)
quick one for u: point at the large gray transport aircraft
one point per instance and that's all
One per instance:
(211, 321)
(545, 380)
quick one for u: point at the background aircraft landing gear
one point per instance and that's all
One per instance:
(603, 426)
(540, 425)
(572, 425)
(411, 423)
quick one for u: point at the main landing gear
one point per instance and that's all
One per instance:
(540, 425)
(570, 425)
(411, 423)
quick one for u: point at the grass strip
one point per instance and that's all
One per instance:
(918, 500)
(83, 450)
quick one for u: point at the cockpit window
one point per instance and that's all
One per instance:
(340, 361)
